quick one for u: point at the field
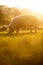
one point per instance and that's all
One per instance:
(22, 49)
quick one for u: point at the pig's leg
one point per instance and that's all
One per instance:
(30, 29)
(17, 30)
(11, 30)
(35, 28)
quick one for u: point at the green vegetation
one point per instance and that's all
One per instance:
(22, 49)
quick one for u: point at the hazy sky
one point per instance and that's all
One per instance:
(35, 5)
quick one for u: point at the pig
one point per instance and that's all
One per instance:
(22, 21)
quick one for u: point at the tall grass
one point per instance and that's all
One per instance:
(21, 49)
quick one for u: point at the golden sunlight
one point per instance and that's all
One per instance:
(34, 5)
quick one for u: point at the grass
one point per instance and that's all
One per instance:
(22, 49)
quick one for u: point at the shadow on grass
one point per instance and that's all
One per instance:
(14, 34)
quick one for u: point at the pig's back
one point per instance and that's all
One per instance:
(27, 20)
(22, 20)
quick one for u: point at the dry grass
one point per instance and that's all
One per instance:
(22, 49)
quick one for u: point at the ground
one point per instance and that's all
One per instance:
(22, 49)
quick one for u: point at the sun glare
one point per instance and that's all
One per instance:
(34, 5)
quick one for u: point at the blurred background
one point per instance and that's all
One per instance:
(24, 48)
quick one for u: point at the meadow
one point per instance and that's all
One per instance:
(22, 49)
